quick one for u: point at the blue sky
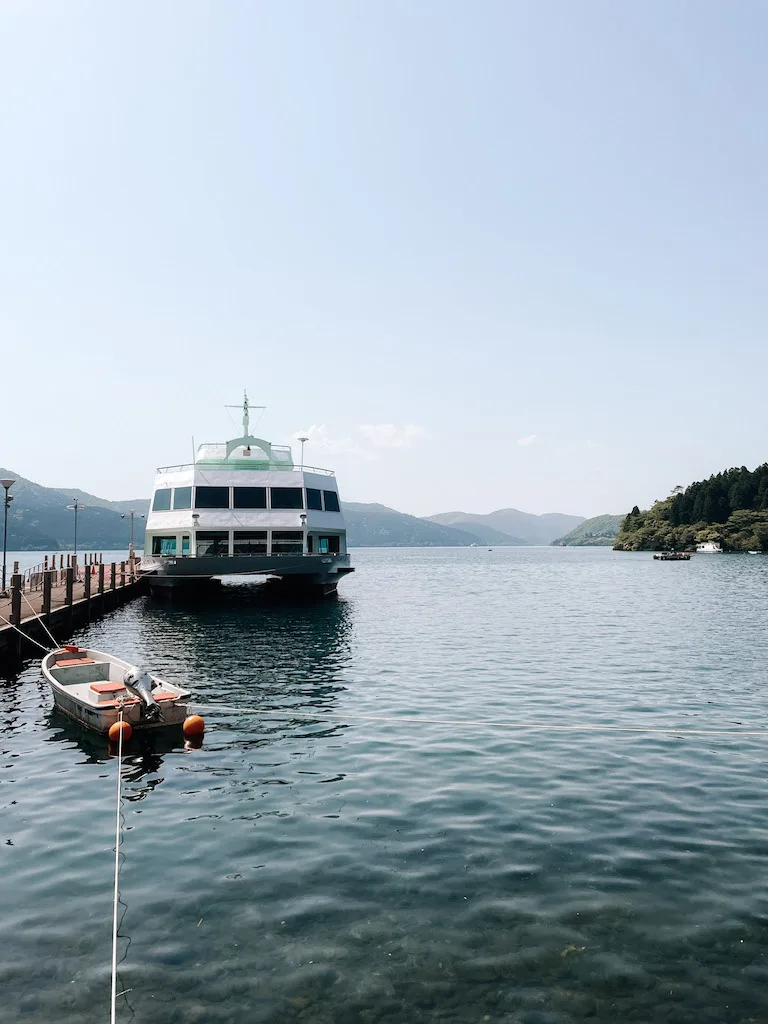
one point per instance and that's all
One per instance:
(490, 254)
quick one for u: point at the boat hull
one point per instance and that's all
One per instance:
(78, 699)
(307, 573)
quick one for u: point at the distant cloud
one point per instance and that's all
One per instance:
(525, 441)
(320, 438)
(387, 435)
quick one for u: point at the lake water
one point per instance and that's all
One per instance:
(445, 863)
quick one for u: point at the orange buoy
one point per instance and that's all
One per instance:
(194, 726)
(120, 727)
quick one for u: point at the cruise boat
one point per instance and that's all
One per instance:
(244, 508)
(709, 547)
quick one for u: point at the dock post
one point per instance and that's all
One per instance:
(47, 587)
(87, 593)
(70, 585)
(16, 599)
(113, 575)
(101, 579)
(122, 574)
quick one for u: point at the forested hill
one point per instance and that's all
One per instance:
(600, 531)
(731, 507)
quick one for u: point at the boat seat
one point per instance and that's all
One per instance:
(164, 695)
(66, 662)
(106, 687)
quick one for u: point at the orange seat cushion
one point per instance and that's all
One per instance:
(74, 661)
(106, 687)
(164, 695)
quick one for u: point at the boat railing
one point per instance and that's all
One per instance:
(276, 467)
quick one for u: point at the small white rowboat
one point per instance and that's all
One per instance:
(89, 686)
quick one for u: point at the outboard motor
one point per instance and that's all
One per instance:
(139, 683)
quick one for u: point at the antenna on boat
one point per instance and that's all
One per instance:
(246, 407)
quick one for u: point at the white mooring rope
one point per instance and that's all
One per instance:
(115, 900)
(39, 617)
(47, 650)
(318, 716)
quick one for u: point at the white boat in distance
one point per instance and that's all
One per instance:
(709, 547)
(244, 508)
(90, 687)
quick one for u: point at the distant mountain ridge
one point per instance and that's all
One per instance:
(372, 525)
(518, 527)
(39, 520)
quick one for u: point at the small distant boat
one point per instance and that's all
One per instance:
(94, 688)
(709, 547)
(754, 552)
(673, 556)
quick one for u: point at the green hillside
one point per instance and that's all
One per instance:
(730, 507)
(600, 531)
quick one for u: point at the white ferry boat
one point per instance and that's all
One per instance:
(244, 508)
(709, 547)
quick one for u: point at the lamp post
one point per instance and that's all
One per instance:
(131, 512)
(303, 518)
(77, 507)
(7, 484)
(303, 440)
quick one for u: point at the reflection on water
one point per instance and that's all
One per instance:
(300, 870)
(142, 755)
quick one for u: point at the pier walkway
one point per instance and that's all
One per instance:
(62, 599)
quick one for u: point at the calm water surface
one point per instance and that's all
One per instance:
(343, 870)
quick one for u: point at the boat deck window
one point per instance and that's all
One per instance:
(287, 542)
(163, 545)
(286, 497)
(253, 542)
(249, 497)
(211, 497)
(212, 542)
(328, 545)
(314, 499)
(162, 500)
(331, 501)
(182, 497)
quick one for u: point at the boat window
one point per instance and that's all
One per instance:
(250, 497)
(328, 545)
(163, 545)
(331, 501)
(162, 500)
(287, 542)
(252, 543)
(211, 497)
(310, 543)
(185, 544)
(182, 497)
(212, 542)
(286, 497)
(314, 499)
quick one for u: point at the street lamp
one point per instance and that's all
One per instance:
(303, 440)
(303, 518)
(77, 508)
(7, 484)
(131, 513)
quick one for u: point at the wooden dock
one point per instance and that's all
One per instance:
(61, 599)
